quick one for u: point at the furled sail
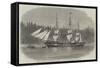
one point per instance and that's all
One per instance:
(36, 32)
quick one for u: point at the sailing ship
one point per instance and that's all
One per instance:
(72, 38)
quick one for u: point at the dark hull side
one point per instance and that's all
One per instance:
(58, 44)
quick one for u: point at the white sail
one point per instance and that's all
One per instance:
(69, 31)
(73, 41)
(46, 36)
(69, 37)
(41, 35)
(77, 34)
(55, 36)
(78, 37)
(36, 32)
(56, 31)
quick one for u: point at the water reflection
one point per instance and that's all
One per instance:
(57, 52)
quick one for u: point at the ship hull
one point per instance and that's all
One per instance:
(77, 44)
(53, 44)
(58, 44)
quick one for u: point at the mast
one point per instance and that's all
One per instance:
(55, 36)
(69, 32)
(80, 37)
(70, 22)
(78, 25)
(56, 21)
(78, 34)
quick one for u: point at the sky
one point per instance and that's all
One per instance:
(46, 16)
